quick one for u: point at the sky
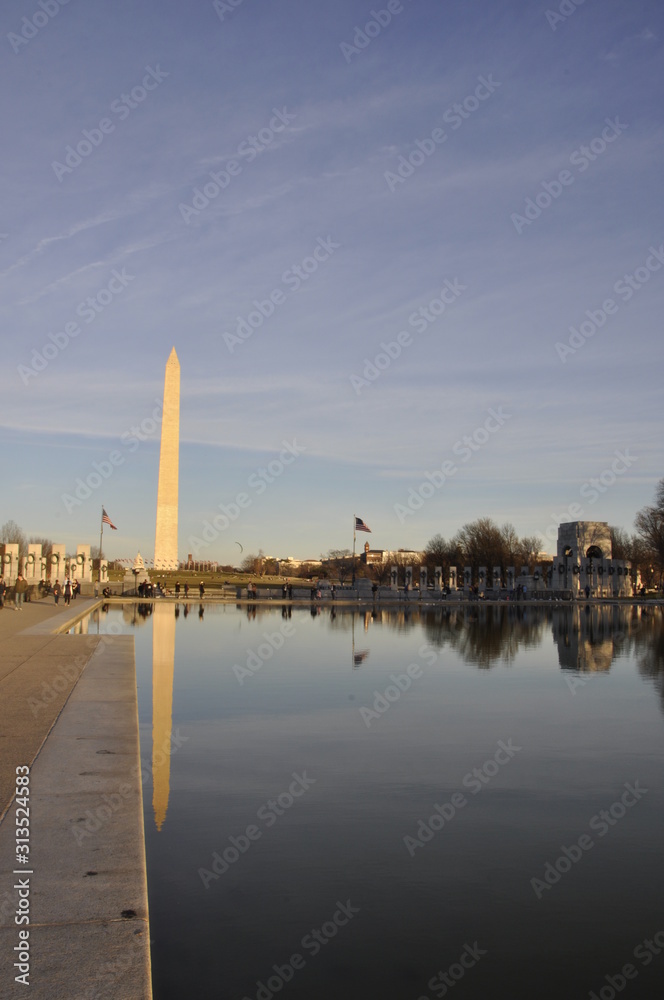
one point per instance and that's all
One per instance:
(410, 256)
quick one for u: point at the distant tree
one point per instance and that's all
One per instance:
(649, 523)
(621, 543)
(481, 544)
(12, 534)
(528, 550)
(380, 572)
(511, 545)
(439, 552)
(249, 563)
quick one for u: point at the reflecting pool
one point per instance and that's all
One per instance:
(399, 804)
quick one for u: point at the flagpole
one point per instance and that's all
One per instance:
(101, 536)
(354, 532)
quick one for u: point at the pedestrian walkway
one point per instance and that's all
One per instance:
(68, 713)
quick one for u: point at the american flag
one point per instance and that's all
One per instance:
(361, 526)
(105, 519)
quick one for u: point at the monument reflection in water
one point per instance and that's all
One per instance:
(492, 828)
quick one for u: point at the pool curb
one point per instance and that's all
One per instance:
(84, 887)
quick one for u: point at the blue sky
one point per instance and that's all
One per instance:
(565, 111)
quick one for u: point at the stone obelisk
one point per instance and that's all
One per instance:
(166, 535)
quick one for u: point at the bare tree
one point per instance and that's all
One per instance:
(529, 549)
(12, 534)
(649, 523)
(621, 543)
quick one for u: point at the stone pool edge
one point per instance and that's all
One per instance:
(89, 920)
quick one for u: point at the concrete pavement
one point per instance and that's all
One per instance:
(68, 712)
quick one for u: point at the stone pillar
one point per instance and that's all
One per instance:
(394, 578)
(32, 571)
(438, 577)
(511, 577)
(423, 579)
(453, 578)
(482, 580)
(612, 578)
(467, 577)
(84, 563)
(496, 577)
(10, 562)
(57, 568)
(409, 577)
(627, 578)
(103, 571)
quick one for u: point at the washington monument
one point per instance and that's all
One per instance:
(166, 535)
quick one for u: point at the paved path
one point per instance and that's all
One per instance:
(68, 711)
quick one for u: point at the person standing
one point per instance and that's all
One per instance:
(20, 589)
(67, 591)
(57, 591)
(3, 588)
(201, 589)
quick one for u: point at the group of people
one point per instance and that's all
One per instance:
(201, 590)
(20, 590)
(70, 589)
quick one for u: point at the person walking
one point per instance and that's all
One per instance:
(67, 591)
(57, 591)
(201, 590)
(20, 590)
(3, 589)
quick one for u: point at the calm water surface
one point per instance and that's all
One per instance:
(460, 803)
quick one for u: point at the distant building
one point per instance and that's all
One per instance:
(378, 557)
